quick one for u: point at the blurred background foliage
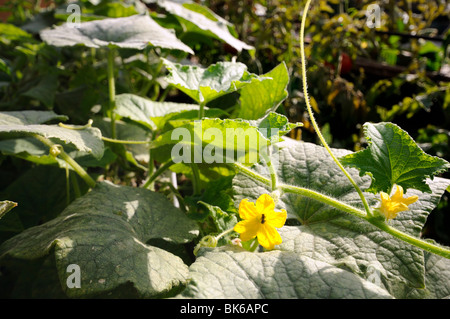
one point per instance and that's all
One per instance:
(397, 70)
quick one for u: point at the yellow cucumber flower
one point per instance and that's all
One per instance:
(390, 206)
(260, 221)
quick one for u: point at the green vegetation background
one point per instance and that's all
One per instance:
(399, 72)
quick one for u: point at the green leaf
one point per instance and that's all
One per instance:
(211, 141)
(35, 206)
(336, 237)
(222, 220)
(127, 132)
(6, 206)
(147, 112)
(204, 85)
(259, 98)
(30, 149)
(392, 157)
(135, 32)
(220, 141)
(236, 273)
(29, 117)
(105, 233)
(12, 33)
(437, 285)
(172, 120)
(274, 126)
(45, 90)
(199, 19)
(87, 140)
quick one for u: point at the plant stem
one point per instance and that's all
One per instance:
(112, 140)
(77, 128)
(201, 110)
(226, 232)
(77, 168)
(75, 186)
(273, 173)
(158, 172)
(333, 202)
(80, 171)
(195, 179)
(441, 251)
(112, 91)
(67, 185)
(311, 115)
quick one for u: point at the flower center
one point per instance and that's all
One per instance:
(263, 219)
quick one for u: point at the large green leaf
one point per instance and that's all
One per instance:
(236, 273)
(336, 237)
(105, 233)
(437, 285)
(87, 140)
(393, 157)
(135, 153)
(135, 32)
(34, 206)
(261, 97)
(199, 19)
(28, 148)
(204, 85)
(29, 117)
(147, 112)
(221, 141)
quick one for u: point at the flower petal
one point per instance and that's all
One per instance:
(265, 204)
(268, 237)
(398, 195)
(410, 200)
(247, 210)
(247, 228)
(276, 219)
(384, 197)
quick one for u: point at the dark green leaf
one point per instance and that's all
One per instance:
(105, 233)
(392, 157)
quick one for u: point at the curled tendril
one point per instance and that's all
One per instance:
(55, 150)
(207, 241)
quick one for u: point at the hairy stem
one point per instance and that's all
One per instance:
(273, 173)
(311, 115)
(112, 91)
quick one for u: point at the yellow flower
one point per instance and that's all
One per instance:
(390, 206)
(260, 221)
